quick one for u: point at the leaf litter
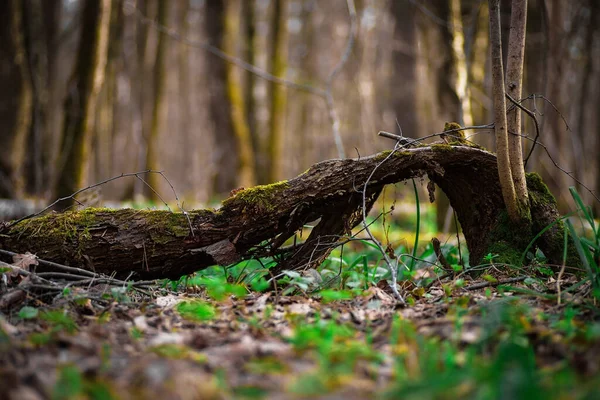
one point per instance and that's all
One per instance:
(170, 345)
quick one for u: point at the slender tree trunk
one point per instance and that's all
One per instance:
(250, 51)
(504, 170)
(241, 130)
(184, 99)
(514, 85)
(279, 49)
(461, 85)
(478, 55)
(81, 100)
(107, 109)
(159, 79)
(225, 163)
(15, 99)
(405, 66)
(37, 56)
(53, 10)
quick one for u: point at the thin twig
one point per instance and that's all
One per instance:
(392, 266)
(493, 284)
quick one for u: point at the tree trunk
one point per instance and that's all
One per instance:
(504, 169)
(225, 164)
(241, 129)
(81, 99)
(256, 222)
(514, 86)
(15, 99)
(279, 53)
(159, 80)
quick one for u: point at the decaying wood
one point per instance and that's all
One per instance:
(257, 221)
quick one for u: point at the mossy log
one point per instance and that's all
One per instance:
(257, 221)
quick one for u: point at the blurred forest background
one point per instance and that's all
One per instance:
(91, 89)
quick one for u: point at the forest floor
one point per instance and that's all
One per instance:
(509, 341)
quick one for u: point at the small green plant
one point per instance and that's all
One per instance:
(59, 320)
(196, 311)
(28, 312)
(588, 248)
(217, 287)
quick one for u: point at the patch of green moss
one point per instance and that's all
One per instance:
(541, 199)
(256, 199)
(70, 226)
(163, 225)
(441, 148)
(508, 240)
(539, 194)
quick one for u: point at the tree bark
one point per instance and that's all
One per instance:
(256, 222)
(504, 169)
(514, 86)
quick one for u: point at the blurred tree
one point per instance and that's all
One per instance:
(15, 99)
(80, 104)
(158, 104)
(461, 86)
(224, 162)
(184, 110)
(245, 172)
(41, 24)
(250, 52)
(405, 66)
(279, 54)
(106, 121)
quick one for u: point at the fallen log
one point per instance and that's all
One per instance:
(255, 222)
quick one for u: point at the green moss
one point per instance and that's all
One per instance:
(256, 199)
(508, 240)
(441, 148)
(71, 226)
(539, 194)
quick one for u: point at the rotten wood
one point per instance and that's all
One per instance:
(255, 222)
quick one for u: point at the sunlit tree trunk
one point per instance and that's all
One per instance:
(250, 54)
(500, 123)
(478, 56)
(159, 80)
(241, 130)
(514, 85)
(107, 108)
(15, 99)
(81, 101)
(279, 49)
(305, 100)
(461, 85)
(184, 110)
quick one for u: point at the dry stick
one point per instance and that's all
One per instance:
(535, 122)
(493, 284)
(325, 94)
(53, 265)
(74, 271)
(440, 256)
(392, 266)
(123, 175)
